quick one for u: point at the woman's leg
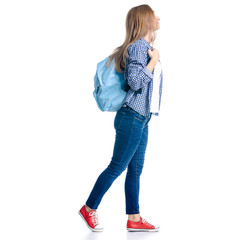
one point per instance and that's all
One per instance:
(128, 135)
(132, 182)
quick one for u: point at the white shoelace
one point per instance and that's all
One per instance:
(144, 220)
(95, 218)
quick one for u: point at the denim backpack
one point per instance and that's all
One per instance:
(109, 87)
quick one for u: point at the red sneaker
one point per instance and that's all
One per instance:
(91, 219)
(141, 226)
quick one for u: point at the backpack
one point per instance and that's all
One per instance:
(109, 87)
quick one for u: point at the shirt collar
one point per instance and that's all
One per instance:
(146, 43)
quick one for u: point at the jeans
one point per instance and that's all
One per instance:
(129, 151)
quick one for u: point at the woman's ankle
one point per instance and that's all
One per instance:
(134, 217)
(88, 209)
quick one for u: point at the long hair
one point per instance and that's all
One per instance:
(139, 21)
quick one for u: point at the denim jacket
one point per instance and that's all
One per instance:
(139, 78)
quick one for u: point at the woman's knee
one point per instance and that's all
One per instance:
(115, 169)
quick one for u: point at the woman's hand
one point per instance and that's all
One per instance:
(154, 55)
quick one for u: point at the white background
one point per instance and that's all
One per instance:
(55, 141)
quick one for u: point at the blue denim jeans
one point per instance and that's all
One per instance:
(129, 151)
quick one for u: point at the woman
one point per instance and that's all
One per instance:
(137, 59)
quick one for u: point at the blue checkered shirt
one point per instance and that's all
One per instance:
(139, 78)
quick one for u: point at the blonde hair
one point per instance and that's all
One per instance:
(139, 21)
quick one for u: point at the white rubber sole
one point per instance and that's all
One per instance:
(92, 229)
(143, 230)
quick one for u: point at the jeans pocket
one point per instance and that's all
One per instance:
(140, 118)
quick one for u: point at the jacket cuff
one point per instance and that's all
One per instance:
(148, 73)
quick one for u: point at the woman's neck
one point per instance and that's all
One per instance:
(148, 37)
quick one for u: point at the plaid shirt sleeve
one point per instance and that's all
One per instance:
(137, 72)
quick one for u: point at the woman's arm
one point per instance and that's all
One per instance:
(139, 72)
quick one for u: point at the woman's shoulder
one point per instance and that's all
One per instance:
(139, 45)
